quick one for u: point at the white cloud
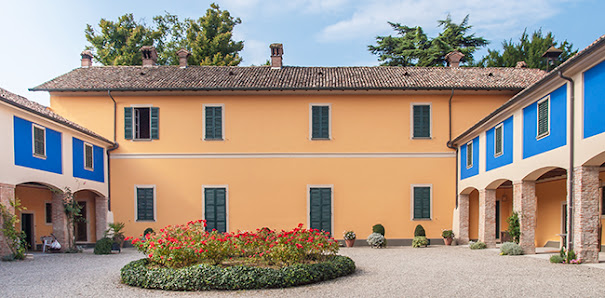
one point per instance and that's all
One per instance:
(255, 52)
(252, 8)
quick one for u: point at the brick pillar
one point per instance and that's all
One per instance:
(463, 219)
(524, 203)
(586, 213)
(59, 219)
(7, 194)
(487, 216)
(101, 216)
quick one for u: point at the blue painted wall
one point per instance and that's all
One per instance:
(558, 123)
(98, 172)
(594, 100)
(24, 151)
(474, 170)
(492, 162)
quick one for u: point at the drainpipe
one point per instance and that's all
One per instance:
(570, 172)
(114, 147)
(449, 142)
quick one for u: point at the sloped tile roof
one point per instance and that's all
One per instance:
(164, 78)
(40, 110)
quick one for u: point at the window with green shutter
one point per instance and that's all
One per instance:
(543, 117)
(320, 122)
(213, 122)
(498, 135)
(145, 203)
(215, 208)
(469, 154)
(39, 141)
(421, 117)
(88, 156)
(422, 202)
(320, 204)
(141, 123)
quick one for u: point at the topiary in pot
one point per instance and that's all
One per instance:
(420, 241)
(419, 231)
(375, 240)
(103, 246)
(511, 249)
(378, 228)
(478, 245)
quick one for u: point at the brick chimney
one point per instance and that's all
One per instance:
(453, 58)
(150, 56)
(86, 59)
(277, 50)
(521, 64)
(183, 54)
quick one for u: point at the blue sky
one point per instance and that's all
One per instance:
(43, 39)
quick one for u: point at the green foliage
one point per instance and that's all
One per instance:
(413, 48)
(73, 214)
(14, 239)
(207, 277)
(510, 249)
(419, 231)
(477, 245)
(562, 252)
(571, 255)
(378, 228)
(116, 232)
(375, 240)
(349, 235)
(557, 259)
(208, 39)
(420, 241)
(103, 246)
(447, 234)
(514, 229)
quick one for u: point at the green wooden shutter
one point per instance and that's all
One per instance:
(39, 146)
(215, 209)
(145, 204)
(155, 123)
(422, 202)
(214, 123)
(422, 121)
(498, 141)
(320, 122)
(128, 123)
(543, 117)
(88, 150)
(321, 209)
(469, 155)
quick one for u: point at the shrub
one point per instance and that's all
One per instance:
(511, 249)
(378, 228)
(14, 239)
(349, 235)
(477, 245)
(557, 259)
(103, 246)
(514, 229)
(447, 234)
(420, 241)
(375, 240)
(571, 255)
(147, 231)
(419, 231)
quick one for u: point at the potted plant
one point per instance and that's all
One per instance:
(349, 238)
(448, 236)
(116, 232)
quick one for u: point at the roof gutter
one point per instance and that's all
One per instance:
(114, 147)
(570, 171)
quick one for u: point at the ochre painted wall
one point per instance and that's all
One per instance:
(34, 199)
(550, 197)
(473, 227)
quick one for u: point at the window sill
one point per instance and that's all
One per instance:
(142, 140)
(498, 155)
(89, 169)
(39, 156)
(422, 219)
(542, 136)
(422, 138)
(211, 140)
(321, 139)
(145, 220)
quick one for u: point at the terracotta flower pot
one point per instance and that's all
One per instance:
(350, 242)
(448, 240)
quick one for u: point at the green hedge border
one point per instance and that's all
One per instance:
(208, 277)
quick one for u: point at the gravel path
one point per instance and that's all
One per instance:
(392, 272)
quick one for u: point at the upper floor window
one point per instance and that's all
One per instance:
(214, 122)
(543, 117)
(320, 122)
(498, 140)
(141, 123)
(88, 157)
(421, 121)
(469, 154)
(39, 141)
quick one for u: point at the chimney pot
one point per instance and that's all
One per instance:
(150, 55)
(521, 64)
(183, 54)
(86, 59)
(277, 51)
(453, 58)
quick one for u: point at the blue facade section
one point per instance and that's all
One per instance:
(474, 170)
(594, 100)
(98, 172)
(24, 151)
(491, 161)
(558, 125)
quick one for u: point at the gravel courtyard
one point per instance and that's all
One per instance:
(392, 272)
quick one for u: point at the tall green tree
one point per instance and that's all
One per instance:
(530, 49)
(412, 47)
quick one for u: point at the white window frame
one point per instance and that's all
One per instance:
(329, 105)
(412, 105)
(331, 187)
(222, 106)
(51, 213)
(496, 153)
(469, 161)
(226, 187)
(92, 156)
(538, 135)
(413, 199)
(136, 201)
(34, 126)
(134, 121)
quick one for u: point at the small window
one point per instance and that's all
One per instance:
(469, 154)
(88, 156)
(422, 202)
(49, 213)
(141, 123)
(498, 139)
(320, 122)
(602, 200)
(543, 117)
(39, 141)
(145, 203)
(213, 123)
(421, 117)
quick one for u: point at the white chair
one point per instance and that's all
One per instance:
(46, 242)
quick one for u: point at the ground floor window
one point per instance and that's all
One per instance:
(145, 198)
(320, 208)
(421, 197)
(48, 208)
(215, 208)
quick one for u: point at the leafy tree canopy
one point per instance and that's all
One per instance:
(208, 39)
(412, 47)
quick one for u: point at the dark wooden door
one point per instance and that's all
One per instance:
(80, 226)
(27, 226)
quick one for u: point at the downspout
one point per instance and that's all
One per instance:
(570, 172)
(114, 147)
(449, 142)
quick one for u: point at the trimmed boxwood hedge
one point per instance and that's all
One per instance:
(208, 277)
